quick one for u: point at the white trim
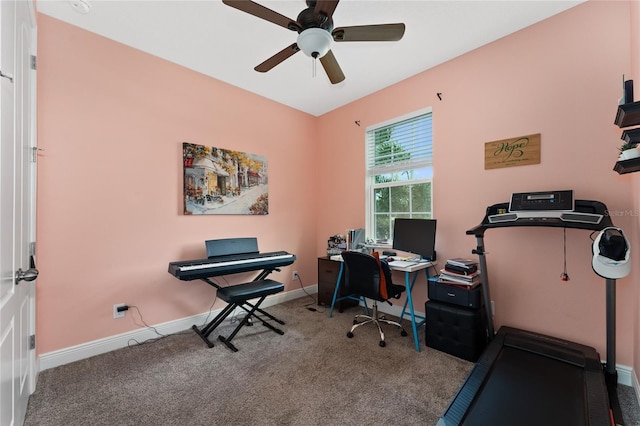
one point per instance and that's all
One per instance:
(396, 310)
(118, 341)
(635, 384)
(626, 375)
(408, 116)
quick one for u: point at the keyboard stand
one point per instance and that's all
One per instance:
(237, 296)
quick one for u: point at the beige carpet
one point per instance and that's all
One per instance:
(311, 375)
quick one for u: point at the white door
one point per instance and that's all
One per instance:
(17, 204)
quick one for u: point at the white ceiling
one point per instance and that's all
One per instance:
(226, 44)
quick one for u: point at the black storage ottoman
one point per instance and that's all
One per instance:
(455, 330)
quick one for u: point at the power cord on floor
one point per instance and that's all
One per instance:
(155, 330)
(313, 299)
(133, 342)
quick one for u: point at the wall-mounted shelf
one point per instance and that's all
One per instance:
(627, 166)
(631, 136)
(628, 114)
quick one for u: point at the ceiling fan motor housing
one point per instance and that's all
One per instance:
(314, 26)
(314, 37)
(309, 19)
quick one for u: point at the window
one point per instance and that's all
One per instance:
(399, 172)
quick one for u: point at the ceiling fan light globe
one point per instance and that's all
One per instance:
(314, 42)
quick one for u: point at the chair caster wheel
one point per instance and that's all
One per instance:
(382, 343)
(403, 333)
(349, 334)
(355, 322)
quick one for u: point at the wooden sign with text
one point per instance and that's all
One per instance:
(519, 151)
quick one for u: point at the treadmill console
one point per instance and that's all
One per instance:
(545, 201)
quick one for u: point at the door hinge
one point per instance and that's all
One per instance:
(33, 62)
(34, 153)
(32, 341)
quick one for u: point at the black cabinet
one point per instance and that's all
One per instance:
(328, 271)
(456, 320)
(456, 330)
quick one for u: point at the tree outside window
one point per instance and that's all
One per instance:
(399, 173)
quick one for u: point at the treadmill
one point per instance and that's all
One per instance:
(526, 378)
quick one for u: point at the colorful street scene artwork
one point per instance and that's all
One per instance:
(222, 181)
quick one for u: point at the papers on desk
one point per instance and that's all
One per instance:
(402, 263)
(394, 264)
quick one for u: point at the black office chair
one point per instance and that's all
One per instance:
(364, 278)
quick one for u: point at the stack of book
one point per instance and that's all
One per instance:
(461, 272)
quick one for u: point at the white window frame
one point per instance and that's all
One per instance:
(370, 178)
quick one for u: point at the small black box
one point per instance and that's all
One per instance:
(458, 331)
(456, 295)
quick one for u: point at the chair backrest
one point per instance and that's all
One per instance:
(362, 274)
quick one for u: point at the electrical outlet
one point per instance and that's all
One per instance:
(117, 314)
(294, 276)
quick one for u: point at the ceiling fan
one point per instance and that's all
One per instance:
(314, 26)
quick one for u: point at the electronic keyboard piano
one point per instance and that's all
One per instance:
(230, 264)
(232, 256)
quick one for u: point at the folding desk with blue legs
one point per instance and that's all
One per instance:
(409, 269)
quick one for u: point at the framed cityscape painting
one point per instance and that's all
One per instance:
(222, 181)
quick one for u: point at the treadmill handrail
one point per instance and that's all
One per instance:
(581, 206)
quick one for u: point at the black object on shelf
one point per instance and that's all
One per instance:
(628, 91)
(631, 135)
(628, 114)
(627, 166)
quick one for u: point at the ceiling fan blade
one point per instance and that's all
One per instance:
(382, 32)
(278, 57)
(259, 11)
(331, 67)
(325, 7)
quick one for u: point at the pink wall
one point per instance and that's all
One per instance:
(635, 75)
(112, 120)
(560, 78)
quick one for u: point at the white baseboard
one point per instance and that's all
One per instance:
(396, 310)
(85, 350)
(629, 379)
(626, 375)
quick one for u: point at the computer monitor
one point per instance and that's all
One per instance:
(417, 236)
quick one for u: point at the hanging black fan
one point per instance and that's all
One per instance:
(314, 26)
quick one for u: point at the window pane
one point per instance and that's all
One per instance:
(399, 196)
(381, 200)
(400, 171)
(421, 197)
(382, 228)
(405, 175)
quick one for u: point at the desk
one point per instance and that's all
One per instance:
(409, 281)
